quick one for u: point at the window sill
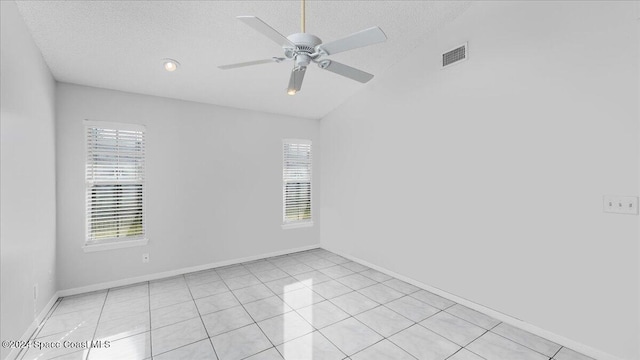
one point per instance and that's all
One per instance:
(296, 225)
(115, 245)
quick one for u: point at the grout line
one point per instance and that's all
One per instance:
(461, 318)
(150, 325)
(128, 299)
(474, 340)
(523, 345)
(556, 353)
(201, 320)
(179, 347)
(463, 348)
(97, 323)
(387, 339)
(265, 350)
(474, 353)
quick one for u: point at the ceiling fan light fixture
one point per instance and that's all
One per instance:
(170, 65)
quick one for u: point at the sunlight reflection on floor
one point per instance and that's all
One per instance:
(308, 346)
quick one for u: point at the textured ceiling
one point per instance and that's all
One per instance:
(119, 45)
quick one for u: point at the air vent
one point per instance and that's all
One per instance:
(455, 56)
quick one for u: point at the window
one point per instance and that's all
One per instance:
(296, 183)
(115, 183)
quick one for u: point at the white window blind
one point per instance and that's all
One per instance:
(115, 182)
(296, 175)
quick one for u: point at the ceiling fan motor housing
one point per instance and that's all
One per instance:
(305, 40)
(305, 47)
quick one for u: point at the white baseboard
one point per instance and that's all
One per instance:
(558, 339)
(165, 274)
(34, 325)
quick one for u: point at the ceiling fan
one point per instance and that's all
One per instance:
(303, 49)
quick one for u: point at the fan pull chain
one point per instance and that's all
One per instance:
(303, 16)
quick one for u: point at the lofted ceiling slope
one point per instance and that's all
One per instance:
(119, 45)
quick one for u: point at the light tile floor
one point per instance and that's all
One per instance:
(311, 305)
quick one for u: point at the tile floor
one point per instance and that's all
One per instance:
(306, 305)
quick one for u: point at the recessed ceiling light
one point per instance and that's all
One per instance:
(291, 92)
(170, 64)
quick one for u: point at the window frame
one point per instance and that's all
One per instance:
(288, 224)
(115, 242)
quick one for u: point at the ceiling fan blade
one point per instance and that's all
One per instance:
(250, 63)
(362, 38)
(345, 70)
(266, 30)
(295, 81)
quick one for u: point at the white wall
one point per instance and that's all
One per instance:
(486, 179)
(214, 184)
(27, 177)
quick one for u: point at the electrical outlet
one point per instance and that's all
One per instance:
(145, 258)
(620, 204)
(35, 291)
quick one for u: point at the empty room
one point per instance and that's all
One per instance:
(320, 180)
